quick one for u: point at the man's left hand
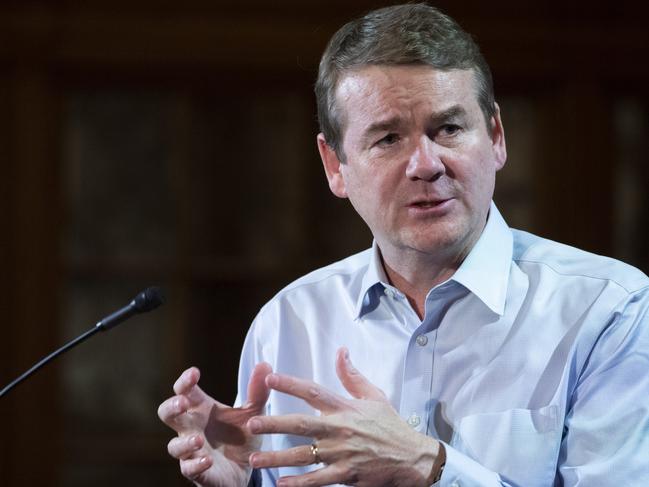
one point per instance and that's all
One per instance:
(361, 441)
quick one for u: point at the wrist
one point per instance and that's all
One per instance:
(431, 459)
(438, 464)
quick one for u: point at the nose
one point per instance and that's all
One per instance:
(425, 163)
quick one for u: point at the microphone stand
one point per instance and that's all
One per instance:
(147, 300)
(50, 357)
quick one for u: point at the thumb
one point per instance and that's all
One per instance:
(258, 391)
(355, 382)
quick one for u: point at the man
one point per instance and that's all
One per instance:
(483, 356)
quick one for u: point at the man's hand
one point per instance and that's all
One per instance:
(361, 441)
(213, 442)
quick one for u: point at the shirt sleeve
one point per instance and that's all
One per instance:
(462, 471)
(255, 350)
(606, 429)
(605, 437)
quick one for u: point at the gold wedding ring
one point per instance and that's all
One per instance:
(314, 452)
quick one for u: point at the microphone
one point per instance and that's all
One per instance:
(146, 301)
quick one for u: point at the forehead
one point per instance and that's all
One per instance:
(378, 91)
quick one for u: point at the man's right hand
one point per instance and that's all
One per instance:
(213, 442)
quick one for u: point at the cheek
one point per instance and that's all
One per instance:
(479, 169)
(370, 196)
(483, 184)
(354, 187)
(361, 181)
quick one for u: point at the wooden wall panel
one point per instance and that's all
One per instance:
(570, 62)
(31, 236)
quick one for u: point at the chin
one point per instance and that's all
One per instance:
(447, 239)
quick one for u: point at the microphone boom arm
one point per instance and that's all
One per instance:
(147, 300)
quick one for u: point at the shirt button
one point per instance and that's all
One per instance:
(389, 292)
(414, 420)
(422, 340)
(455, 484)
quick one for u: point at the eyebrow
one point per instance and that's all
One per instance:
(456, 111)
(437, 118)
(382, 126)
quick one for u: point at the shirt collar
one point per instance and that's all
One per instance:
(484, 272)
(375, 274)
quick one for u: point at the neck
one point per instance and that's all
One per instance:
(415, 272)
(416, 277)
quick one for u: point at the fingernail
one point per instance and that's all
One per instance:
(194, 442)
(203, 460)
(253, 461)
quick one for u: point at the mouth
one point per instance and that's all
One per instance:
(428, 203)
(426, 208)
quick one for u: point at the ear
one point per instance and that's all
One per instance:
(331, 165)
(498, 139)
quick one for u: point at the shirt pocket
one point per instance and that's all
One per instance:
(521, 445)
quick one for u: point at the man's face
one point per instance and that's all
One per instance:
(420, 161)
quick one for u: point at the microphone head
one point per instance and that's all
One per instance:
(148, 299)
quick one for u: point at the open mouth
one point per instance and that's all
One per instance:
(428, 203)
(430, 207)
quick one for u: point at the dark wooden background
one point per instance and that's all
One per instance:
(173, 142)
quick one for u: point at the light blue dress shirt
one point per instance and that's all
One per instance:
(531, 363)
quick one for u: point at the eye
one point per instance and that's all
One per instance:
(449, 129)
(388, 140)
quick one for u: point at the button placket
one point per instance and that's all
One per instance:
(418, 368)
(414, 420)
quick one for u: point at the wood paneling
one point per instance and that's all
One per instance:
(571, 62)
(32, 277)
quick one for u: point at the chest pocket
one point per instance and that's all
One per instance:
(522, 445)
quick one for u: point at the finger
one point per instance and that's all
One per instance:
(314, 394)
(187, 380)
(187, 385)
(171, 409)
(182, 448)
(331, 474)
(258, 390)
(292, 424)
(194, 467)
(297, 456)
(355, 382)
(175, 412)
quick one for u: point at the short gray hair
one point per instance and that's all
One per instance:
(415, 34)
